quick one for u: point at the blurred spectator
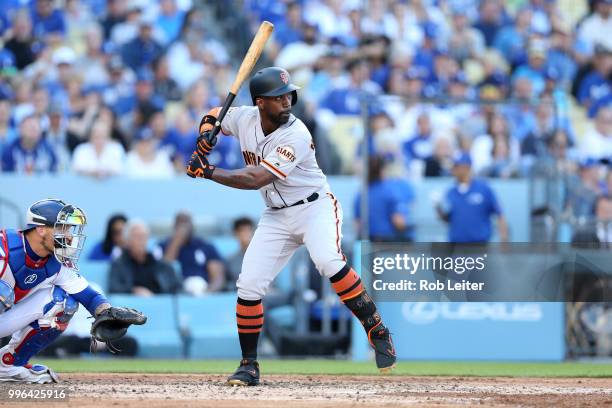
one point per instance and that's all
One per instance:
(346, 100)
(563, 56)
(86, 110)
(389, 205)
(136, 271)
(180, 139)
(170, 20)
(603, 216)
(490, 20)
(78, 18)
(115, 13)
(331, 18)
(48, 21)
(92, 65)
(165, 87)
(22, 42)
(118, 93)
(596, 28)
(582, 191)
(186, 61)
(535, 142)
(157, 123)
(420, 146)
(145, 160)
(495, 154)
(289, 29)
(378, 20)
(535, 69)
(465, 42)
(100, 157)
(142, 50)
(57, 136)
(30, 153)
(298, 57)
(138, 107)
(7, 132)
(559, 153)
(597, 142)
(243, 229)
(512, 39)
(469, 205)
(440, 163)
(114, 240)
(596, 85)
(196, 257)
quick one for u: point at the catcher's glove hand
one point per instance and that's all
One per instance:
(112, 324)
(199, 166)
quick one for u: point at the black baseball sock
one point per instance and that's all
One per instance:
(249, 318)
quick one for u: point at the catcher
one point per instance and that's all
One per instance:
(40, 290)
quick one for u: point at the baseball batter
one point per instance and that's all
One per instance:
(301, 210)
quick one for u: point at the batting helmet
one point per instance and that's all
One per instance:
(272, 81)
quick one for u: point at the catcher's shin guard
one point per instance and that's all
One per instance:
(33, 338)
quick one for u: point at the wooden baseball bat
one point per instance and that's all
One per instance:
(249, 61)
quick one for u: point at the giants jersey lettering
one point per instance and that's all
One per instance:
(288, 153)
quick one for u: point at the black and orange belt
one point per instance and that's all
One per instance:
(309, 199)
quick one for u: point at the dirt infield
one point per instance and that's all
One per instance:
(293, 391)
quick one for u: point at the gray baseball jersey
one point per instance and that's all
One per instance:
(288, 153)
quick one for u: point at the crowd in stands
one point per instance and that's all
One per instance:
(181, 263)
(107, 88)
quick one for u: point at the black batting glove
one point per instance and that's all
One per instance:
(199, 166)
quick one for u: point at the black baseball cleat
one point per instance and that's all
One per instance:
(384, 351)
(247, 374)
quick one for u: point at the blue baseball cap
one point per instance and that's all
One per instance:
(462, 159)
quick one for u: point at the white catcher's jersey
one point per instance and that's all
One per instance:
(288, 153)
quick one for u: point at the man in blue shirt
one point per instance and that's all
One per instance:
(596, 85)
(30, 153)
(469, 206)
(47, 20)
(389, 205)
(196, 257)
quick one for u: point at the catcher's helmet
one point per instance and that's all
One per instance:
(272, 81)
(67, 222)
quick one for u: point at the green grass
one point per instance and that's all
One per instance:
(333, 367)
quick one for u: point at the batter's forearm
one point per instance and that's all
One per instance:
(242, 178)
(248, 178)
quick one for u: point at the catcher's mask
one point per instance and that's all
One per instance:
(68, 222)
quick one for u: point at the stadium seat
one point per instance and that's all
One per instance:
(96, 272)
(210, 325)
(159, 337)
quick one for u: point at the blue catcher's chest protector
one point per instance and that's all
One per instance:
(27, 272)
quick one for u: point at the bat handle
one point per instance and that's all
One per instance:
(228, 102)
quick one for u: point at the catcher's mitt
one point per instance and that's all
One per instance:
(112, 324)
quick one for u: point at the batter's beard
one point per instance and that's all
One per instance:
(281, 119)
